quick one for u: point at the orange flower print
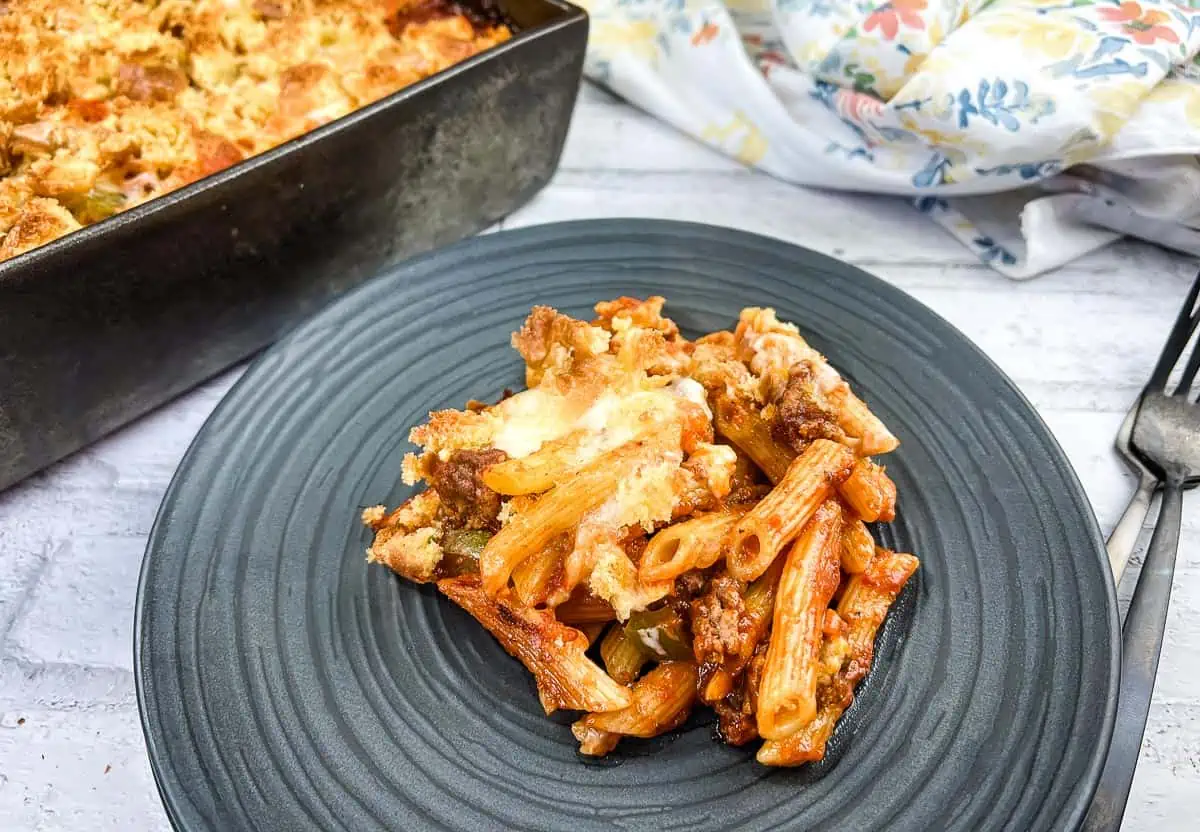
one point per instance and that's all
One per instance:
(858, 107)
(707, 33)
(889, 17)
(1145, 27)
(770, 59)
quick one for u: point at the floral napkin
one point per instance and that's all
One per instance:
(997, 118)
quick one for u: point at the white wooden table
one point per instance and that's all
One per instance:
(1079, 342)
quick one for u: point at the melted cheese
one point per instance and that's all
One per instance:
(693, 391)
(529, 420)
(774, 353)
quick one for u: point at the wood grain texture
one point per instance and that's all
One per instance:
(1079, 343)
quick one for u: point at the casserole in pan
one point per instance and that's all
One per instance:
(103, 324)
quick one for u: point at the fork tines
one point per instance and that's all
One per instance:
(1177, 341)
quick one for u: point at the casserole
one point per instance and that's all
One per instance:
(106, 104)
(100, 326)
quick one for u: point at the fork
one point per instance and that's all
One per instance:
(1125, 534)
(1166, 436)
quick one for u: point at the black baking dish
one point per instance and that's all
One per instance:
(113, 320)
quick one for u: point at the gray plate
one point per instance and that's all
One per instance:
(286, 685)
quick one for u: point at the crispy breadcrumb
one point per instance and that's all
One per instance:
(105, 104)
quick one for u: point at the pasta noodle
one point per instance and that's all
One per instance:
(752, 435)
(553, 652)
(691, 544)
(557, 511)
(857, 420)
(767, 528)
(535, 577)
(662, 700)
(787, 696)
(870, 492)
(863, 607)
(857, 547)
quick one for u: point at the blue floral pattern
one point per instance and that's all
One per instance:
(941, 97)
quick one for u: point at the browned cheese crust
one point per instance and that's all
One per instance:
(105, 104)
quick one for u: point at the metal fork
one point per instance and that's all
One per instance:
(1166, 436)
(1125, 534)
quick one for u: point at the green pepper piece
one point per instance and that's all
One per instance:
(97, 204)
(461, 550)
(662, 632)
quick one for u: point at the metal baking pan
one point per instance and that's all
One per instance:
(107, 323)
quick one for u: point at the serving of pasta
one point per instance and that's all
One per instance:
(658, 522)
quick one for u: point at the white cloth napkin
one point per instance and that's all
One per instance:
(998, 119)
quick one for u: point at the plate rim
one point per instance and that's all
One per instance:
(1073, 812)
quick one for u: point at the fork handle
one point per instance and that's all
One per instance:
(1141, 643)
(1125, 534)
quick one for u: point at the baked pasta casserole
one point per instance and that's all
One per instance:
(657, 522)
(105, 104)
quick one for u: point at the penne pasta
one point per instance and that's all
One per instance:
(553, 652)
(535, 578)
(806, 745)
(557, 511)
(768, 527)
(857, 547)
(775, 350)
(539, 471)
(787, 696)
(692, 544)
(870, 492)
(593, 742)
(662, 700)
(624, 654)
(863, 607)
(857, 420)
(868, 596)
(741, 424)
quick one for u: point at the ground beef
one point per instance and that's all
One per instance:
(717, 618)
(800, 415)
(737, 725)
(466, 503)
(690, 584)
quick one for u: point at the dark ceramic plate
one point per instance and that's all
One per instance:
(286, 685)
